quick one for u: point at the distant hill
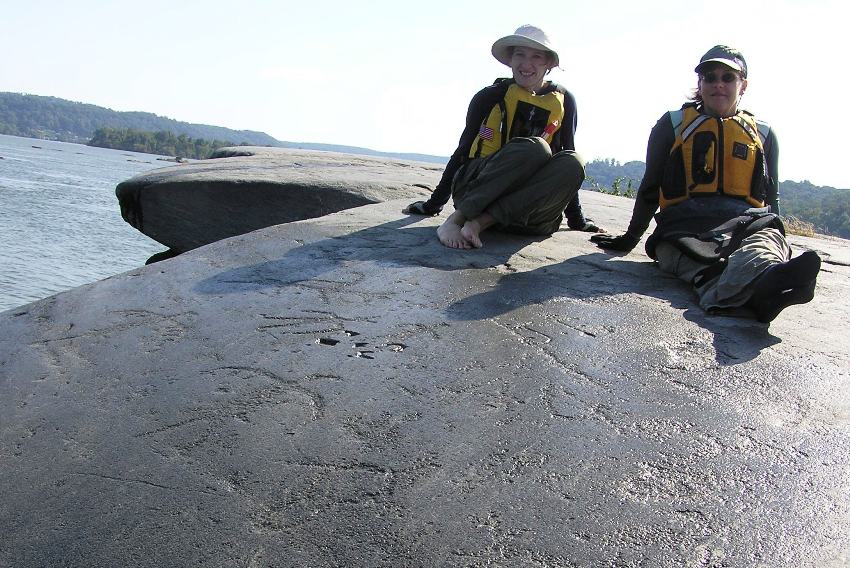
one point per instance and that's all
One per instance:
(57, 119)
(52, 118)
(827, 208)
(602, 174)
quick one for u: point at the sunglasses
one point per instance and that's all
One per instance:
(712, 77)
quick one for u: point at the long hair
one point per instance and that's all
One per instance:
(695, 96)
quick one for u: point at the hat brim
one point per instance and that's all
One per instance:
(727, 62)
(501, 48)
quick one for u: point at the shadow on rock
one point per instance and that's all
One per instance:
(595, 275)
(388, 244)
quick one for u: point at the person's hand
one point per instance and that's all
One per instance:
(624, 242)
(420, 208)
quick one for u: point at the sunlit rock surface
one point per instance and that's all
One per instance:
(345, 391)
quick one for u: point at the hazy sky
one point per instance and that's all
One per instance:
(398, 76)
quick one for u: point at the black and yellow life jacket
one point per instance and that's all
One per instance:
(519, 113)
(714, 156)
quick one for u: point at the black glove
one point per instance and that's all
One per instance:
(624, 242)
(587, 225)
(422, 208)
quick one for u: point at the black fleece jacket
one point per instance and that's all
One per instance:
(660, 143)
(479, 108)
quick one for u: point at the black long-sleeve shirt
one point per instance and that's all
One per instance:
(660, 143)
(479, 108)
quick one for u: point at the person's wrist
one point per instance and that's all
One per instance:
(431, 208)
(576, 224)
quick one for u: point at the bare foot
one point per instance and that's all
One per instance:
(472, 229)
(470, 233)
(449, 235)
(449, 232)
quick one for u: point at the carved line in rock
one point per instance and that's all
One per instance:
(244, 403)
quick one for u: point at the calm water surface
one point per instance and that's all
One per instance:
(60, 224)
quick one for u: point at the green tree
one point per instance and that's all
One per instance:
(161, 142)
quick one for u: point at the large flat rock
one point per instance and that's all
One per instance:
(247, 188)
(345, 391)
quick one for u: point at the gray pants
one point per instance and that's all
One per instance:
(523, 186)
(733, 288)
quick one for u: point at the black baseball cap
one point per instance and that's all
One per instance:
(728, 56)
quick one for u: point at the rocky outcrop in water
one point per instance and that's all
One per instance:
(247, 188)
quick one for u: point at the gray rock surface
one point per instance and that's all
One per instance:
(248, 187)
(345, 391)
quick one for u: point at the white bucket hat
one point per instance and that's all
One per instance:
(524, 36)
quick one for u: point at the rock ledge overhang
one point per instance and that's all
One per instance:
(246, 188)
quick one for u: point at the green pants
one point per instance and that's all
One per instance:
(734, 287)
(523, 186)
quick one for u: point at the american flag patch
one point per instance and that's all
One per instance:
(485, 133)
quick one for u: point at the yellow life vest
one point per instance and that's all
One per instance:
(519, 113)
(714, 156)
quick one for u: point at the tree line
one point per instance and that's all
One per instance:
(161, 142)
(827, 208)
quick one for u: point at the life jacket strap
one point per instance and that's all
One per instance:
(748, 128)
(693, 126)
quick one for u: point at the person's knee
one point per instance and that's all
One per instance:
(767, 240)
(570, 164)
(568, 157)
(541, 147)
(774, 235)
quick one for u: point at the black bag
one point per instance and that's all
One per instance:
(718, 243)
(713, 248)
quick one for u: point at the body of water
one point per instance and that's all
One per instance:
(60, 223)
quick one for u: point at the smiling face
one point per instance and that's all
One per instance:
(530, 66)
(720, 88)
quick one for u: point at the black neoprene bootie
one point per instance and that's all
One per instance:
(786, 284)
(768, 308)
